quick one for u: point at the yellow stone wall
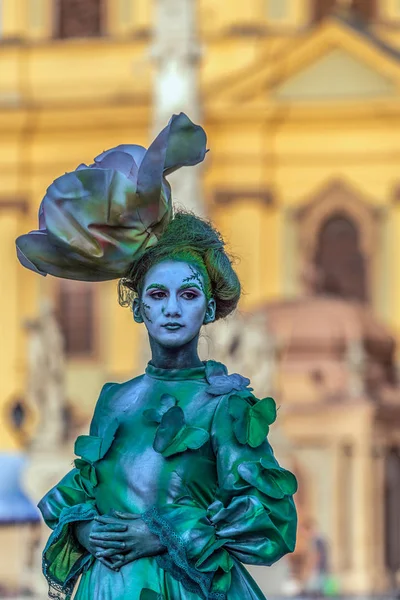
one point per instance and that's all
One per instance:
(64, 101)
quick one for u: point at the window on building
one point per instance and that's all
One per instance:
(322, 8)
(76, 317)
(78, 18)
(364, 9)
(340, 260)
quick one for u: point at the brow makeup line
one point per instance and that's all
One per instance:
(186, 286)
(158, 286)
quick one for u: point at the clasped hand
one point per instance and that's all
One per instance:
(118, 538)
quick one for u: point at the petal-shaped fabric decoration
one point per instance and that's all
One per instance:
(180, 144)
(241, 509)
(251, 423)
(214, 556)
(154, 415)
(92, 447)
(224, 384)
(272, 481)
(88, 475)
(148, 594)
(174, 436)
(214, 368)
(95, 221)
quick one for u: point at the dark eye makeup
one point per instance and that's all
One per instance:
(186, 294)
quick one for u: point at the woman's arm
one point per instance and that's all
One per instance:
(69, 502)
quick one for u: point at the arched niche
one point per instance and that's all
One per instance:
(339, 257)
(339, 210)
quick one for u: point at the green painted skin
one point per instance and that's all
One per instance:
(185, 449)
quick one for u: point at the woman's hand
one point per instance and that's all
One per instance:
(86, 531)
(138, 539)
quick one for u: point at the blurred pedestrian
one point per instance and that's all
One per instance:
(316, 563)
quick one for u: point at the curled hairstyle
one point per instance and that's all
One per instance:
(190, 239)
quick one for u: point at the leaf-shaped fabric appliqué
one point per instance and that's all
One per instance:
(154, 415)
(148, 594)
(251, 423)
(271, 480)
(92, 447)
(174, 436)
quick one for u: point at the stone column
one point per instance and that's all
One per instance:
(380, 580)
(176, 55)
(361, 576)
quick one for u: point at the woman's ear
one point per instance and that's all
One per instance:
(137, 313)
(209, 317)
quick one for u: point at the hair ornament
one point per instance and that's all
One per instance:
(95, 221)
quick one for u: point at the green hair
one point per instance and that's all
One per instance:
(193, 240)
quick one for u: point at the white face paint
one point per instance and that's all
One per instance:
(173, 305)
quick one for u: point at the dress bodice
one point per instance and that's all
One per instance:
(141, 475)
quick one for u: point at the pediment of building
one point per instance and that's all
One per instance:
(330, 63)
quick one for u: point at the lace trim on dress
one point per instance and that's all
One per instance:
(176, 561)
(59, 590)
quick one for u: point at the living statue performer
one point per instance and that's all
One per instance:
(176, 484)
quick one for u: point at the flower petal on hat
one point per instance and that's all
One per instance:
(95, 221)
(120, 161)
(92, 234)
(134, 150)
(180, 143)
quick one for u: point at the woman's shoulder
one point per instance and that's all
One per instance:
(112, 391)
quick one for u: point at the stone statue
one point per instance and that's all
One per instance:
(245, 343)
(46, 366)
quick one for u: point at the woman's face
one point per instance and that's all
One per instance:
(173, 304)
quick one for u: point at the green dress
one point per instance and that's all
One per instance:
(187, 449)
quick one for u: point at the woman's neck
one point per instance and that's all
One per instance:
(184, 357)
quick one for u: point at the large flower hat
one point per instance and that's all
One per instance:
(94, 221)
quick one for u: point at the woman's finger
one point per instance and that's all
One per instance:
(124, 515)
(109, 552)
(109, 544)
(132, 555)
(108, 535)
(107, 564)
(111, 527)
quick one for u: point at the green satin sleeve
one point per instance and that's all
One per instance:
(253, 517)
(70, 501)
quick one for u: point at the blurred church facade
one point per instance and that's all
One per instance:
(300, 101)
